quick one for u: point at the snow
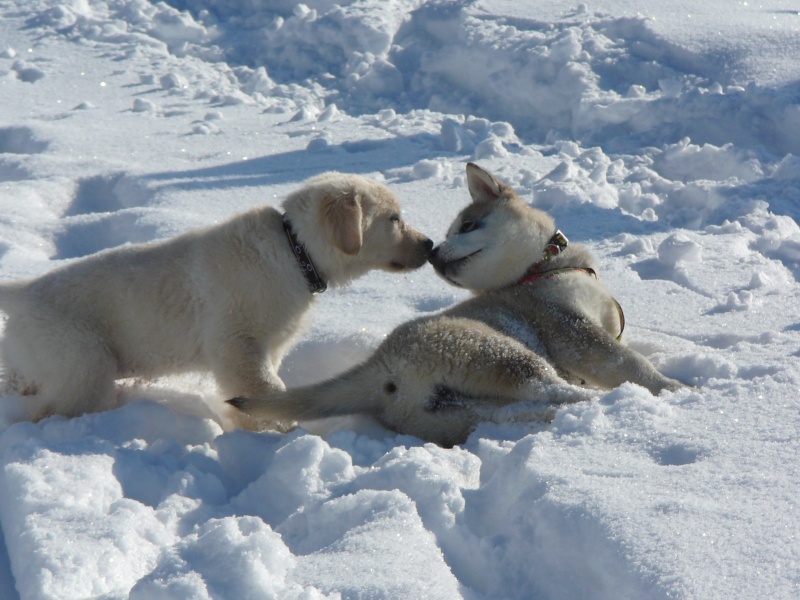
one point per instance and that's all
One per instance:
(665, 137)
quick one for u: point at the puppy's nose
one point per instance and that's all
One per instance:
(428, 245)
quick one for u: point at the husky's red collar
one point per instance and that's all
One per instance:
(556, 245)
(553, 272)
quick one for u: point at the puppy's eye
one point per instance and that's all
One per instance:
(468, 226)
(395, 218)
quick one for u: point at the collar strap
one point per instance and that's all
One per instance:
(553, 272)
(316, 285)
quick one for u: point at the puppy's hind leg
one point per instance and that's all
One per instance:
(61, 369)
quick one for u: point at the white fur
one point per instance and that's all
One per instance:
(227, 299)
(548, 341)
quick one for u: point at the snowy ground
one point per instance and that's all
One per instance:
(666, 139)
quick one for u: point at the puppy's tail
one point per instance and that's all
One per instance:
(355, 391)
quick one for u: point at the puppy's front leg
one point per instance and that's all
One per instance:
(590, 353)
(242, 367)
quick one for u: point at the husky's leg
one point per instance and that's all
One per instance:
(590, 353)
(467, 362)
(445, 377)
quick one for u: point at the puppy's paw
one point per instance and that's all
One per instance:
(252, 421)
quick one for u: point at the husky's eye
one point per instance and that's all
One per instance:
(468, 226)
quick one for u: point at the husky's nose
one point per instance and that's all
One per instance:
(428, 245)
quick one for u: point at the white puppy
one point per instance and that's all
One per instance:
(227, 299)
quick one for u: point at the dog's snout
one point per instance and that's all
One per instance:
(428, 245)
(432, 252)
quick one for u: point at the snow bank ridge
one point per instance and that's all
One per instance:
(571, 78)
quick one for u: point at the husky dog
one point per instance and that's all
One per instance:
(541, 328)
(227, 299)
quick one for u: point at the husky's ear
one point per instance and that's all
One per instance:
(341, 215)
(483, 187)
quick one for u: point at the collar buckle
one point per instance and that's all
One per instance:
(556, 245)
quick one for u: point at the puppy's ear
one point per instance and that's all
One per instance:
(341, 214)
(483, 187)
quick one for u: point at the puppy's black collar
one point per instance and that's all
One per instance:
(316, 284)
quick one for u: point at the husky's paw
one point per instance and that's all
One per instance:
(666, 384)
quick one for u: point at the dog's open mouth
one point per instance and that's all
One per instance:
(450, 269)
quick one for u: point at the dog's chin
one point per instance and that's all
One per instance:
(396, 266)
